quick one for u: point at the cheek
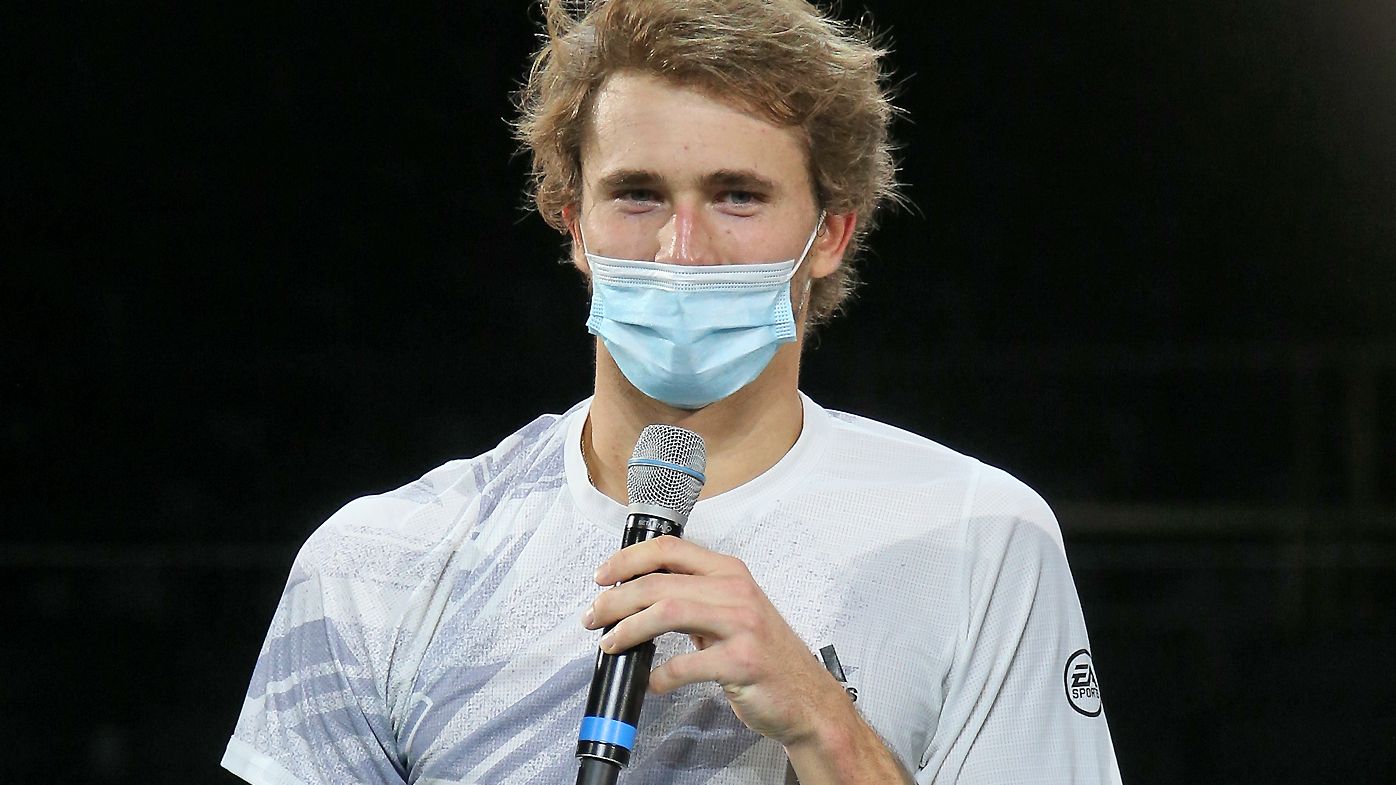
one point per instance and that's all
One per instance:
(619, 233)
(748, 240)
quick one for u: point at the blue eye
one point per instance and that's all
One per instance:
(742, 199)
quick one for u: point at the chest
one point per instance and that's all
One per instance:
(499, 693)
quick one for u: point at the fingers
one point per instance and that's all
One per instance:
(709, 617)
(684, 669)
(743, 643)
(702, 593)
(636, 595)
(730, 664)
(665, 553)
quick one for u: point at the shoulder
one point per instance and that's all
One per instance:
(892, 454)
(392, 537)
(1003, 501)
(988, 497)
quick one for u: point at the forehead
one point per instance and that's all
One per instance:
(644, 123)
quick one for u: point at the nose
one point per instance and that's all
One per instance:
(685, 239)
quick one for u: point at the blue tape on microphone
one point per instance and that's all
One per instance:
(607, 731)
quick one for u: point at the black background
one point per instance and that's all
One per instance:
(262, 260)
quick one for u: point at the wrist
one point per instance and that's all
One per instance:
(828, 720)
(842, 749)
(834, 728)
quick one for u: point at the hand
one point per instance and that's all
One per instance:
(771, 678)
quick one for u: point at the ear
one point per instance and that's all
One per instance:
(831, 243)
(579, 257)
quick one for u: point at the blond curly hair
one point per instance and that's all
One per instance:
(783, 60)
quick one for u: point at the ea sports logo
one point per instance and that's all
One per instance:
(1082, 689)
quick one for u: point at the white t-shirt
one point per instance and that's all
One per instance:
(433, 634)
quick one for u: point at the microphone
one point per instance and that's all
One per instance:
(662, 481)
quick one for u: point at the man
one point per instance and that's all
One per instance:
(714, 163)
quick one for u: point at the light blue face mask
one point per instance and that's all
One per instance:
(689, 335)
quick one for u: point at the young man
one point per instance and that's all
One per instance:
(860, 605)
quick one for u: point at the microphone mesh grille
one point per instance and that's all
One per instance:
(657, 486)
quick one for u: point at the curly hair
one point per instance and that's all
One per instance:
(783, 60)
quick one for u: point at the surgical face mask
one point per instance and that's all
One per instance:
(689, 335)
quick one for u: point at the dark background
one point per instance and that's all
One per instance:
(264, 259)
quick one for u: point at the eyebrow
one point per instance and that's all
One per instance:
(738, 179)
(627, 178)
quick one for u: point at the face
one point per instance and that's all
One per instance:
(673, 175)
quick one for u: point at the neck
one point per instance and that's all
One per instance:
(745, 433)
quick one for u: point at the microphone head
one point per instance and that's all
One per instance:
(665, 472)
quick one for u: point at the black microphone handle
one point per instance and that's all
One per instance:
(618, 685)
(594, 771)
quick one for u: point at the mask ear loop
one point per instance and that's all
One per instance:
(581, 236)
(809, 282)
(808, 245)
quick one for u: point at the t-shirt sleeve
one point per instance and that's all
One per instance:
(316, 711)
(1023, 701)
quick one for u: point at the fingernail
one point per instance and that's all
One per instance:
(608, 641)
(587, 615)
